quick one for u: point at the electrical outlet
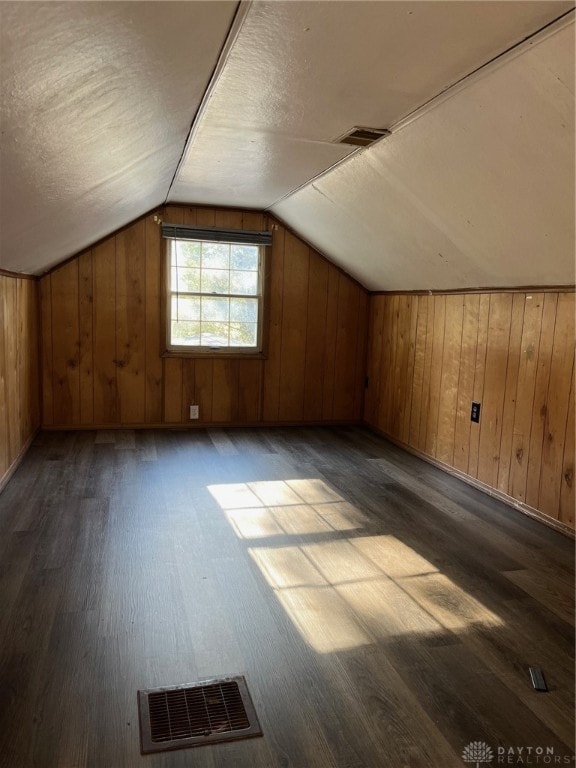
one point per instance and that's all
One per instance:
(475, 413)
(194, 411)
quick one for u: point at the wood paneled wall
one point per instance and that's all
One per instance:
(101, 328)
(19, 370)
(430, 356)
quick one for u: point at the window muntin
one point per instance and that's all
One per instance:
(215, 296)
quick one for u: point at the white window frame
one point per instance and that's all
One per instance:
(205, 350)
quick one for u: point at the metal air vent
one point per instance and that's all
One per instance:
(205, 712)
(363, 137)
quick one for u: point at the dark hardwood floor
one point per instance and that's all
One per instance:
(383, 613)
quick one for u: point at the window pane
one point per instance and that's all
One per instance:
(185, 333)
(244, 310)
(214, 334)
(215, 309)
(186, 254)
(244, 282)
(243, 334)
(215, 281)
(215, 256)
(244, 257)
(226, 277)
(185, 308)
(184, 279)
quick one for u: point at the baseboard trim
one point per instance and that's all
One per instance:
(15, 464)
(199, 425)
(520, 506)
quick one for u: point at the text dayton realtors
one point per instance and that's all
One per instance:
(531, 756)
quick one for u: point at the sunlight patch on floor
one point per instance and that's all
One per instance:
(339, 561)
(275, 493)
(285, 567)
(323, 619)
(452, 606)
(314, 491)
(392, 556)
(235, 496)
(339, 592)
(386, 611)
(276, 507)
(253, 523)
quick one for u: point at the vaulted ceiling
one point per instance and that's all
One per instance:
(109, 109)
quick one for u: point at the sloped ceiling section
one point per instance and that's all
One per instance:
(109, 109)
(301, 74)
(97, 99)
(477, 191)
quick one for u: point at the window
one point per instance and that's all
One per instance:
(215, 294)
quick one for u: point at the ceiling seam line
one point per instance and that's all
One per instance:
(236, 24)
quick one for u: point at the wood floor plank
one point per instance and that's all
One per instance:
(383, 612)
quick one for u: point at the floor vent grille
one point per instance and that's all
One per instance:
(191, 715)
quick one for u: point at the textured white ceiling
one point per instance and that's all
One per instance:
(301, 74)
(97, 99)
(478, 191)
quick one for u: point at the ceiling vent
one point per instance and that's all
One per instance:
(363, 137)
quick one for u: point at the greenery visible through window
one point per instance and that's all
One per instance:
(215, 296)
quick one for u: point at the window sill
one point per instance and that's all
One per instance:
(214, 355)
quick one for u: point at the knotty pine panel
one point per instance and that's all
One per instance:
(449, 377)
(410, 366)
(19, 369)
(479, 376)
(47, 404)
(567, 495)
(153, 325)
(317, 302)
(557, 404)
(104, 333)
(66, 344)
(510, 392)
(86, 329)
(28, 358)
(385, 405)
(249, 390)
(173, 412)
(428, 340)
(103, 325)
(131, 323)
(224, 390)
(465, 387)
(513, 353)
(497, 354)
(328, 348)
(271, 366)
(529, 349)
(346, 365)
(541, 393)
(11, 354)
(294, 321)
(418, 375)
(374, 361)
(435, 393)
(203, 388)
